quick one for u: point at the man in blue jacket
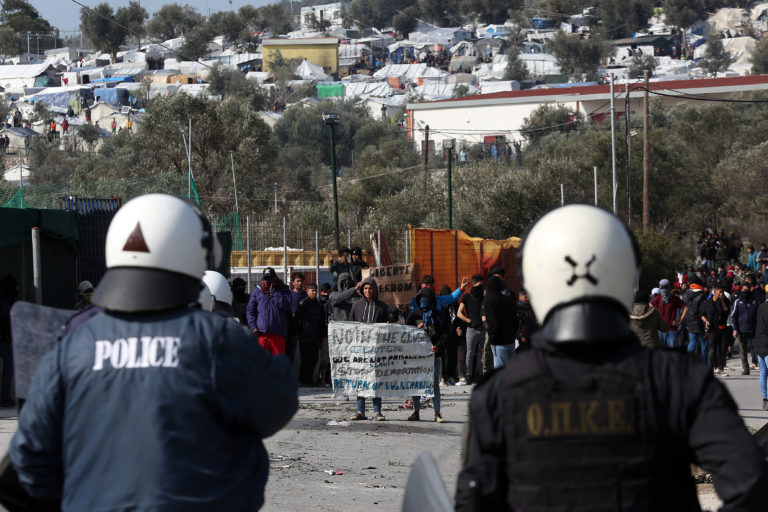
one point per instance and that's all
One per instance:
(268, 311)
(153, 405)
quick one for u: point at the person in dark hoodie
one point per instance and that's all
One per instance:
(693, 298)
(502, 319)
(368, 310)
(427, 317)
(343, 298)
(646, 322)
(310, 318)
(528, 323)
(448, 323)
(744, 322)
(240, 300)
(357, 264)
(714, 313)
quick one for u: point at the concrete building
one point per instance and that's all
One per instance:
(323, 51)
(478, 119)
(333, 13)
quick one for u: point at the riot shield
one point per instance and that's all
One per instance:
(425, 491)
(35, 329)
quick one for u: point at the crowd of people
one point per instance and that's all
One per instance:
(716, 310)
(472, 333)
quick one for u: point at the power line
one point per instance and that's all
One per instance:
(700, 98)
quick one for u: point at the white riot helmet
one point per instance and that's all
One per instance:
(219, 286)
(205, 299)
(576, 255)
(158, 247)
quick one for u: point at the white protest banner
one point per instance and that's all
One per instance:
(380, 360)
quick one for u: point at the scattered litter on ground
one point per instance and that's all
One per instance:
(333, 472)
(394, 463)
(286, 466)
(369, 467)
(371, 486)
(334, 423)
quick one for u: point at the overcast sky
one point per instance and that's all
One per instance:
(65, 14)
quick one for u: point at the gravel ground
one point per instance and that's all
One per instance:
(374, 457)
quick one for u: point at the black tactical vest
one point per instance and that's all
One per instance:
(595, 443)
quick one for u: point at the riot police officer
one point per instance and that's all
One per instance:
(589, 420)
(154, 404)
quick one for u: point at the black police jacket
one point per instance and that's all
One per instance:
(153, 412)
(616, 429)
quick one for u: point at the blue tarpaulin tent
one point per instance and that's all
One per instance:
(112, 95)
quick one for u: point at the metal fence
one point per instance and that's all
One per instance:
(278, 233)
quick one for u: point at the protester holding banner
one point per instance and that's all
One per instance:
(427, 317)
(369, 310)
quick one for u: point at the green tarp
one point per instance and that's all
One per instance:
(59, 238)
(16, 225)
(330, 90)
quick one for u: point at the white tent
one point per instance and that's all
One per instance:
(365, 90)
(491, 86)
(309, 71)
(16, 173)
(20, 76)
(439, 91)
(409, 71)
(727, 19)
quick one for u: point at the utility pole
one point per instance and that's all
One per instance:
(275, 189)
(426, 155)
(629, 156)
(448, 144)
(613, 147)
(646, 155)
(332, 119)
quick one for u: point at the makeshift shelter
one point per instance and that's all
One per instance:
(113, 96)
(432, 91)
(14, 78)
(308, 71)
(20, 171)
(19, 138)
(59, 99)
(409, 72)
(365, 90)
(491, 86)
(728, 19)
